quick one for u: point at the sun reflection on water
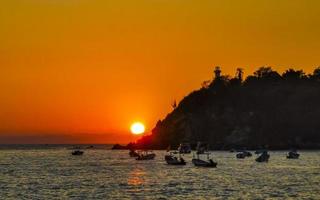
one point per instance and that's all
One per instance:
(136, 177)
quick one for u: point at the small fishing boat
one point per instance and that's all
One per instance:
(232, 150)
(264, 157)
(133, 153)
(203, 163)
(243, 154)
(174, 160)
(184, 148)
(293, 155)
(77, 153)
(145, 155)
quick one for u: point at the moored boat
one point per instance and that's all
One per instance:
(77, 153)
(145, 155)
(240, 155)
(264, 157)
(243, 154)
(174, 160)
(232, 150)
(293, 155)
(204, 163)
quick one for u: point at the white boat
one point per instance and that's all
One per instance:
(145, 155)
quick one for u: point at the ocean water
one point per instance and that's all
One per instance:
(53, 173)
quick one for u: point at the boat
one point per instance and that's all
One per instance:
(184, 148)
(203, 163)
(145, 155)
(243, 154)
(293, 155)
(133, 153)
(77, 153)
(264, 157)
(174, 160)
(232, 150)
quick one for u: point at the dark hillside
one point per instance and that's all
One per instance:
(265, 110)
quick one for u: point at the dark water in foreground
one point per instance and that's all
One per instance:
(104, 174)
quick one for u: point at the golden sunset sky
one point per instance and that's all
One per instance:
(83, 70)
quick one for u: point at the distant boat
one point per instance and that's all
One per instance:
(145, 155)
(293, 155)
(264, 157)
(240, 155)
(174, 160)
(243, 154)
(133, 153)
(184, 148)
(204, 163)
(77, 153)
(232, 150)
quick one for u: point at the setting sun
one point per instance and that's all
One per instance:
(137, 128)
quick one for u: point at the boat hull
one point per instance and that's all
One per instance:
(240, 156)
(243, 155)
(174, 161)
(77, 153)
(146, 157)
(202, 163)
(263, 158)
(293, 156)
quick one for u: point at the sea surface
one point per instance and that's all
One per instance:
(51, 172)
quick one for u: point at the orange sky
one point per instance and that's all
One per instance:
(84, 70)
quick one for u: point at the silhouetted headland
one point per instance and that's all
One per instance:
(266, 110)
(123, 147)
